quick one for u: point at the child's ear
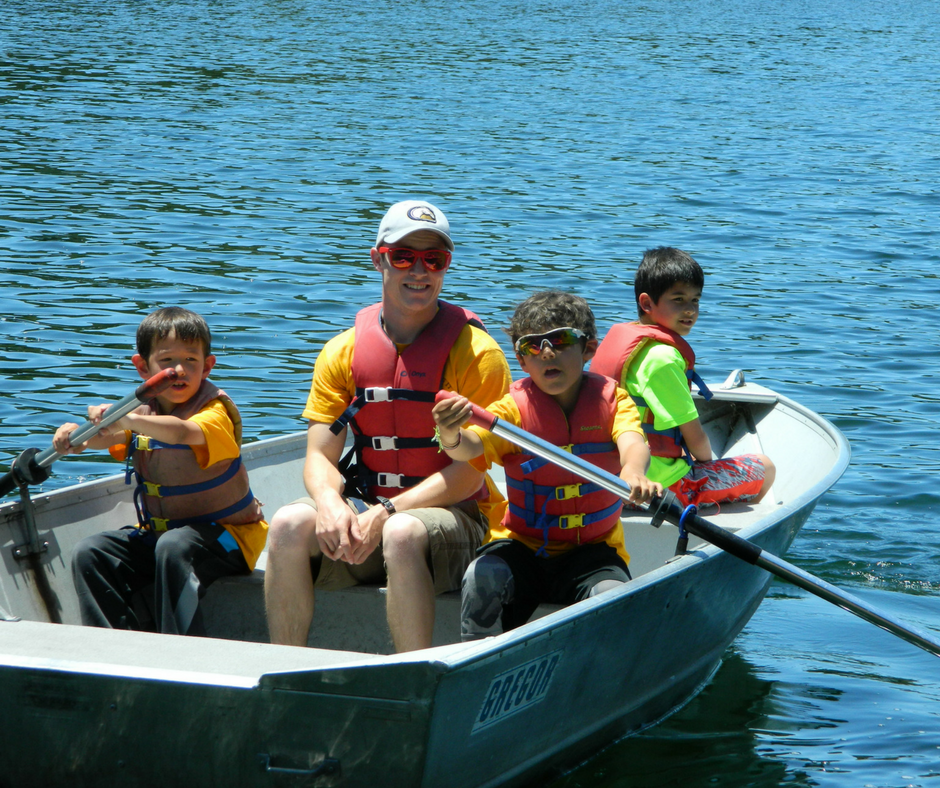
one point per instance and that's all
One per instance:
(207, 367)
(589, 350)
(141, 365)
(646, 302)
(521, 360)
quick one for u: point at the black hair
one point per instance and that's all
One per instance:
(662, 268)
(185, 325)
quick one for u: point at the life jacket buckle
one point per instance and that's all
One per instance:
(159, 524)
(571, 521)
(567, 491)
(376, 394)
(152, 488)
(391, 480)
(384, 443)
(567, 448)
(142, 442)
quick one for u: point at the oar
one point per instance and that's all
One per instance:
(668, 508)
(30, 466)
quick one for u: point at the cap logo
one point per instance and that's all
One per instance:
(421, 213)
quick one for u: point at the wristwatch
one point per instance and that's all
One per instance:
(389, 506)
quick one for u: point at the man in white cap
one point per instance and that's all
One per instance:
(403, 512)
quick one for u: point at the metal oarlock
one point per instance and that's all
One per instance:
(33, 545)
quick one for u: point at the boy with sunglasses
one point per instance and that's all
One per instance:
(560, 539)
(653, 361)
(403, 511)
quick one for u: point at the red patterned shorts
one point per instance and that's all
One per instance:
(721, 481)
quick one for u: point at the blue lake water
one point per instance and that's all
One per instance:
(236, 157)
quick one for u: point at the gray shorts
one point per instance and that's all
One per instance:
(454, 533)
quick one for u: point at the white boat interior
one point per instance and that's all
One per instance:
(353, 620)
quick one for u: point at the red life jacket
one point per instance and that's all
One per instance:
(620, 349)
(552, 502)
(390, 416)
(173, 490)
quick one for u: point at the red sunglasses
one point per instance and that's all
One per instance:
(402, 257)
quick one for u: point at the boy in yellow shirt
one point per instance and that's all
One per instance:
(560, 539)
(197, 517)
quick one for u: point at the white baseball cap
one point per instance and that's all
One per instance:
(410, 216)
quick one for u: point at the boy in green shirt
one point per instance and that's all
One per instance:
(654, 363)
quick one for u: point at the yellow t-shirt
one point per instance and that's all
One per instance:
(626, 419)
(475, 368)
(220, 445)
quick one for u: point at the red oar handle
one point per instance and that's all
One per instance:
(478, 416)
(151, 387)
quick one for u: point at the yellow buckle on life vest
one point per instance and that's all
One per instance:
(159, 523)
(153, 489)
(568, 491)
(143, 442)
(567, 448)
(571, 521)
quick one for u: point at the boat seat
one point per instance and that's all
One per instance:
(735, 516)
(352, 619)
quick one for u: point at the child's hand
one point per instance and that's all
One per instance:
(61, 442)
(642, 489)
(96, 414)
(449, 414)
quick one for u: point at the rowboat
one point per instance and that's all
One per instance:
(83, 706)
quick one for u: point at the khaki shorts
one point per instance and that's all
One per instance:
(454, 534)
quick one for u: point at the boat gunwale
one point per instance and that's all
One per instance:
(457, 655)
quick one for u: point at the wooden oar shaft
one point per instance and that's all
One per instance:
(741, 548)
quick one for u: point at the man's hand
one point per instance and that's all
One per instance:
(335, 523)
(367, 533)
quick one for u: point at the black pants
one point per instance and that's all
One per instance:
(110, 567)
(502, 588)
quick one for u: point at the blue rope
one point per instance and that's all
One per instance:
(690, 511)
